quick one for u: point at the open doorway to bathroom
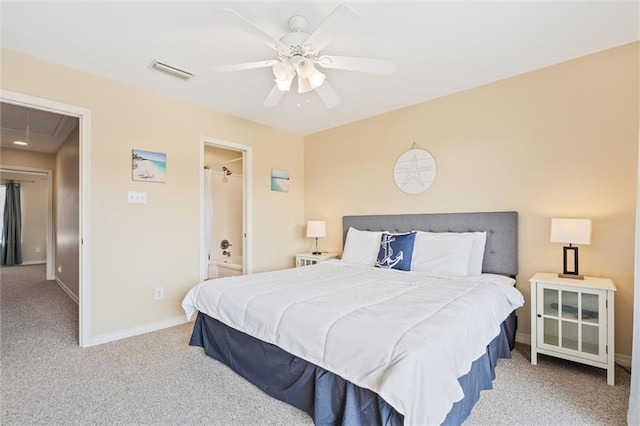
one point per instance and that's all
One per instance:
(225, 198)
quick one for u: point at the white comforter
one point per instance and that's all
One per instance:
(405, 335)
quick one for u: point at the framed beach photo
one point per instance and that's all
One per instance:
(279, 180)
(149, 166)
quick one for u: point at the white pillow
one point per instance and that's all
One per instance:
(361, 247)
(477, 252)
(442, 254)
(477, 249)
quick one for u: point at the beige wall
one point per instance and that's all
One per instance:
(34, 221)
(215, 156)
(67, 220)
(135, 248)
(34, 201)
(22, 158)
(558, 142)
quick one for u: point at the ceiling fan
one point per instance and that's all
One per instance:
(299, 55)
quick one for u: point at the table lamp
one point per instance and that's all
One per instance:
(570, 231)
(316, 229)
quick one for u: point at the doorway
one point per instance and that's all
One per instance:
(225, 199)
(37, 213)
(82, 227)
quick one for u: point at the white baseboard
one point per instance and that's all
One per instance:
(66, 290)
(523, 338)
(623, 360)
(135, 331)
(34, 262)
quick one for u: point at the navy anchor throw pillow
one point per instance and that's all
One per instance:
(396, 251)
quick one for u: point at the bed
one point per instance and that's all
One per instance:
(355, 344)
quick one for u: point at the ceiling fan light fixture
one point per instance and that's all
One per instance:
(300, 55)
(304, 85)
(285, 84)
(316, 78)
(307, 84)
(304, 68)
(282, 70)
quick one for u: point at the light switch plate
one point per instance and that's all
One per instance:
(137, 197)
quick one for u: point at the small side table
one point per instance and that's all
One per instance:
(573, 319)
(306, 259)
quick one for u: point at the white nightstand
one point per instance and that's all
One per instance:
(305, 259)
(573, 319)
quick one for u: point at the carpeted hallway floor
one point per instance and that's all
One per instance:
(157, 379)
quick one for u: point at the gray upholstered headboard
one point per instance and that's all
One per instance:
(501, 250)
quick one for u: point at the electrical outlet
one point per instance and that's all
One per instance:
(159, 293)
(60, 268)
(37, 249)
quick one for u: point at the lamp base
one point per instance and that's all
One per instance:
(567, 253)
(316, 250)
(572, 276)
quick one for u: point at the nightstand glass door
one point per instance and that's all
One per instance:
(572, 321)
(304, 261)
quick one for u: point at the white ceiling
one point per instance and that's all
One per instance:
(439, 48)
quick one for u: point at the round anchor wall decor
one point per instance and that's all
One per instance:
(414, 171)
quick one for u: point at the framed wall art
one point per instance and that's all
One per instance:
(414, 171)
(279, 180)
(148, 166)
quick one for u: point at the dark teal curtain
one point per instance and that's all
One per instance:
(11, 253)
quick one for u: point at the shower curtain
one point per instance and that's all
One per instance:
(11, 243)
(208, 219)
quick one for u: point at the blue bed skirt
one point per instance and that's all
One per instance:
(327, 398)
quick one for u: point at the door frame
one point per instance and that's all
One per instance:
(50, 255)
(247, 198)
(84, 205)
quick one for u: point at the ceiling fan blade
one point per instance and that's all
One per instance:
(273, 98)
(244, 66)
(341, 17)
(252, 29)
(375, 66)
(328, 95)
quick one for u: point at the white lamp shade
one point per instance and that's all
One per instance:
(316, 79)
(304, 68)
(316, 229)
(285, 84)
(282, 70)
(572, 231)
(304, 85)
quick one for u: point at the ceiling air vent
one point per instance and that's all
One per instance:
(173, 71)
